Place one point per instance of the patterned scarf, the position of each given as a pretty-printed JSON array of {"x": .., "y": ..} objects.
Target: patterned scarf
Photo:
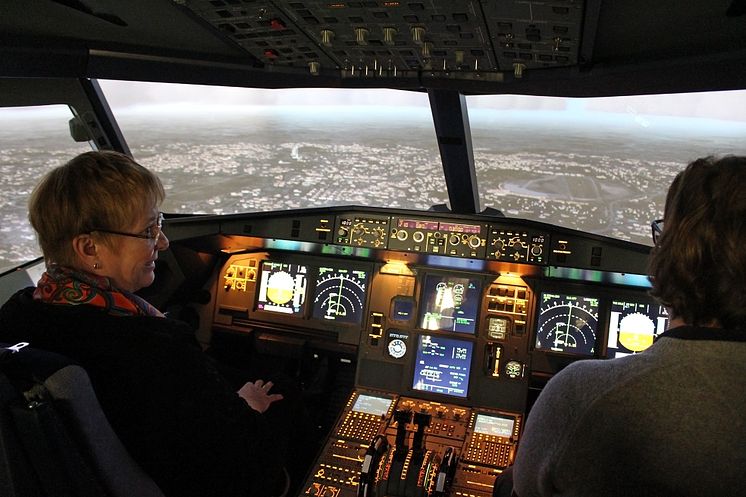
[{"x": 62, "y": 285}]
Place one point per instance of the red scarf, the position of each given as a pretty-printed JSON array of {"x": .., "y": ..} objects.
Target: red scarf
[{"x": 61, "y": 285}]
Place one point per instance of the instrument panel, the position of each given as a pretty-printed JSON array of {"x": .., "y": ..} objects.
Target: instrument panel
[
  {"x": 383, "y": 440},
  {"x": 452, "y": 319}
]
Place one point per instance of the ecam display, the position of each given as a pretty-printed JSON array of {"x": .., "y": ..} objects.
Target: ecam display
[
  {"x": 442, "y": 365},
  {"x": 450, "y": 303}
]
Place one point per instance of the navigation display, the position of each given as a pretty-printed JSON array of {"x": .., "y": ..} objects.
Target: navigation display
[
  {"x": 567, "y": 323},
  {"x": 282, "y": 288},
  {"x": 370, "y": 404},
  {"x": 633, "y": 325},
  {"x": 340, "y": 295},
  {"x": 450, "y": 303},
  {"x": 496, "y": 426},
  {"x": 442, "y": 365}
]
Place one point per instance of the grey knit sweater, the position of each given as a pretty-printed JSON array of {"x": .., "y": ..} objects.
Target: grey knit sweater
[{"x": 669, "y": 421}]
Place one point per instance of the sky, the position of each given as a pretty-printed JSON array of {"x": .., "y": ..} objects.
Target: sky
[{"x": 725, "y": 105}]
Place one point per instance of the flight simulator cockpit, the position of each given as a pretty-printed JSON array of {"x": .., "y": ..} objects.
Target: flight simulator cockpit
[
  {"x": 424, "y": 336},
  {"x": 453, "y": 322}
]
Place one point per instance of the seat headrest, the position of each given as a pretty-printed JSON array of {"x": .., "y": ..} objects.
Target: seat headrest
[{"x": 30, "y": 364}]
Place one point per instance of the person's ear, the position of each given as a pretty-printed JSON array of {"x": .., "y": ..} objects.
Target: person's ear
[{"x": 86, "y": 251}]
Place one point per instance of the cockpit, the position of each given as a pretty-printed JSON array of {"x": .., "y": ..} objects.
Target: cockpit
[{"x": 447, "y": 206}]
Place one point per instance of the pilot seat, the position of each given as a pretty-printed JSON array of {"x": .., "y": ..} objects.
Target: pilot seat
[{"x": 54, "y": 438}]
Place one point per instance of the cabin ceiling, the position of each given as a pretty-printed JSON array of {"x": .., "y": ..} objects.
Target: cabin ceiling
[{"x": 552, "y": 47}]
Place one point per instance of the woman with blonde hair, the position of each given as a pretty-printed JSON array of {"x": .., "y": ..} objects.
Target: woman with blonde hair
[{"x": 99, "y": 225}]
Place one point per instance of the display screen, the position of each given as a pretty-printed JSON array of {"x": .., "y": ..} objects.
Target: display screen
[
  {"x": 442, "y": 365},
  {"x": 340, "y": 295},
  {"x": 567, "y": 323},
  {"x": 282, "y": 288},
  {"x": 369, "y": 404},
  {"x": 496, "y": 426},
  {"x": 402, "y": 308},
  {"x": 450, "y": 303},
  {"x": 633, "y": 325}
]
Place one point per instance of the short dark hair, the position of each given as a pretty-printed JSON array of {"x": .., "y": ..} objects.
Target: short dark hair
[
  {"x": 698, "y": 267},
  {"x": 100, "y": 189}
]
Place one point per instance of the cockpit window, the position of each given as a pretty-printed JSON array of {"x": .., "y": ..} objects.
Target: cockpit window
[
  {"x": 33, "y": 140},
  {"x": 600, "y": 165},
  {"x": 230, "y": 150}
]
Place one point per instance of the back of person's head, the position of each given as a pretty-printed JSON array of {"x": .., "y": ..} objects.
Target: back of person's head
[
  {"x": 698, "y": 267},
  {"x": 95, "y": 190}
]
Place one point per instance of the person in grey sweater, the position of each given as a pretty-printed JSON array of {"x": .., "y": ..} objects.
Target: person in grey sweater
[{"x": 670, "y": 421}]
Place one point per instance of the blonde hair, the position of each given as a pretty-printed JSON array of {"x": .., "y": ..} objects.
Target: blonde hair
[{"x": 95, "y": 190}]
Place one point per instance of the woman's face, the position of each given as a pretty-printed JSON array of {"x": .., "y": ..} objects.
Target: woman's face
[{"x": 130, "y": 262}]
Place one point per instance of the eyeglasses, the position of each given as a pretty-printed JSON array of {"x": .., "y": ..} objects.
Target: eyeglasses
[
  {"x": 657, "y": 227},
  {"x": 153, "y": 232}
]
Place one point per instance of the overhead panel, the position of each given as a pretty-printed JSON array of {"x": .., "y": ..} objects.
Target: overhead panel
[
  {"x": 529, "y": 34},
  {"x": 402, "y": 39},
  {"x": 269, "y": 33}
]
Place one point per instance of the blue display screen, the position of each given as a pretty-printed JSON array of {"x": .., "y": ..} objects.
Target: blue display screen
[
  {"x": 442, "y": 365},
  {"x": 402, "y": 309},
  {"x": 450, "y": 303},
  {"x": 340, "y": 294},
  {"x": 567, "y": 324}
]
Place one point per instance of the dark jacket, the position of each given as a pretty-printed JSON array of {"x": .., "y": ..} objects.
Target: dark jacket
[{"x": 175, "y": 414}]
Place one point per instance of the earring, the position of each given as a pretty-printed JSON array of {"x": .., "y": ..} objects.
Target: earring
[{"x": 95, "y": 265}]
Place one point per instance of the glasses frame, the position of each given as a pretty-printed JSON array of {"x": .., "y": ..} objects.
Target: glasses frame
[
  {"x": 657, "y": 228},
  {"x": 152, "y": 233}
]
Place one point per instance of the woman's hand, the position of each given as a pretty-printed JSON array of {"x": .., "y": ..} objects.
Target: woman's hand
[{"x": 257, "y": 395}]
